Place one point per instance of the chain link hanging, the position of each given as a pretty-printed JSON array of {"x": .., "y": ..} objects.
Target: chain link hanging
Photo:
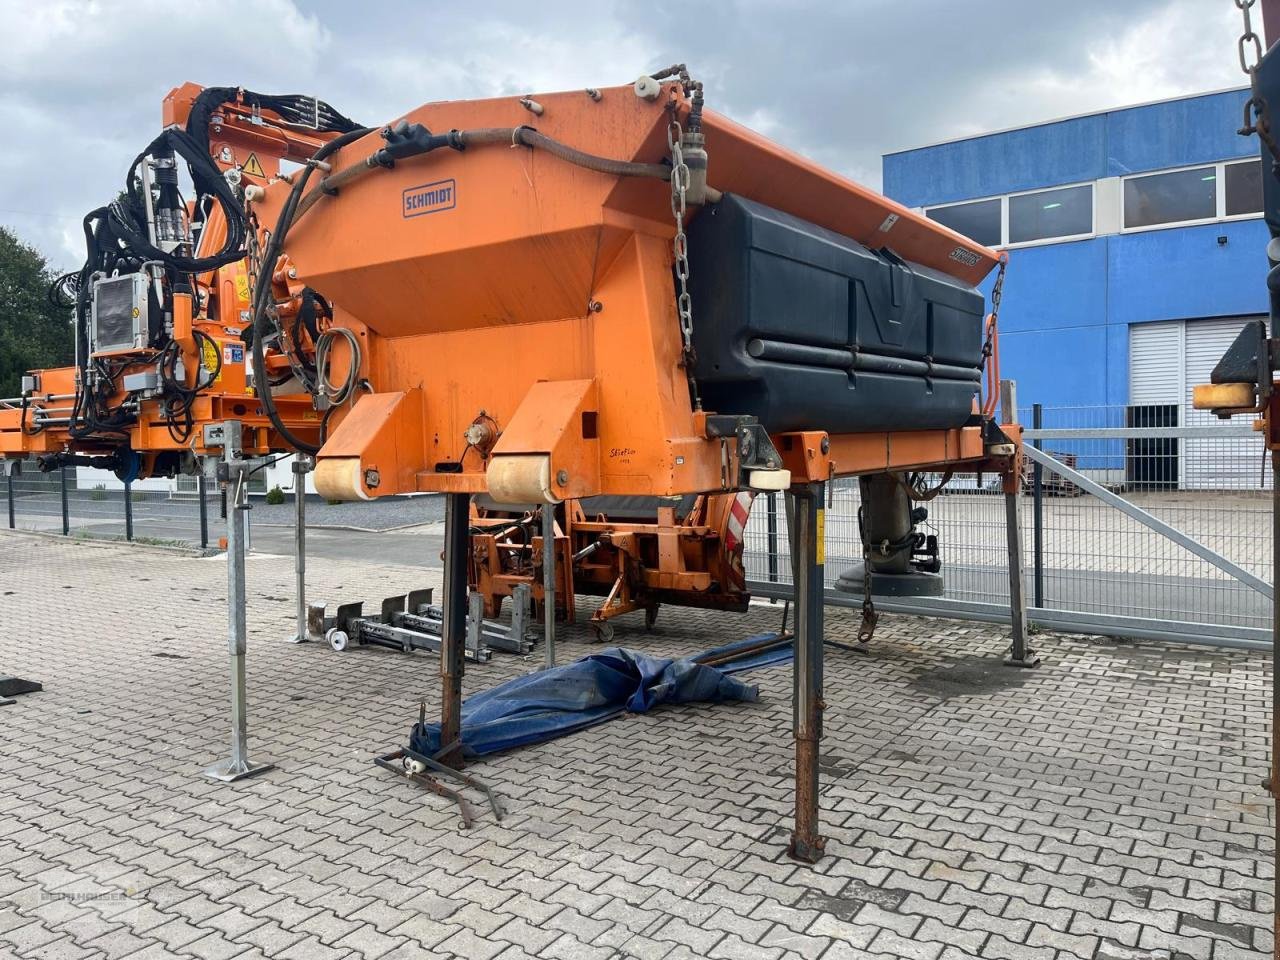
[
  {"x": 1257, "y": 115},
  {"x": 997, "y": 293},
  {"x": 680, "y": 247}
]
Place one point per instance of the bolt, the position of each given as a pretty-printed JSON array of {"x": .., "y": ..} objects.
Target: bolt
[
  {"x": 562, "y": 477},
  {"x": 594, "y": 306},
  {"x": 826, "y": 445},
  {"x": 372, "y": 479},
  {"x": 293, "y": 273},
  {"x": 594, "y": 94}
]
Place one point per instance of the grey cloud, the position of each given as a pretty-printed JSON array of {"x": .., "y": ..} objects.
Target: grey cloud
[{"x": 842, "y": 82}]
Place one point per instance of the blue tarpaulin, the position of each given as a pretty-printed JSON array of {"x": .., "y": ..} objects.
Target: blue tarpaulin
[{"x": 552, "y": 703}]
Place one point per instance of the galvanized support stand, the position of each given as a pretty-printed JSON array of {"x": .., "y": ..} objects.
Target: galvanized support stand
[
  {"x": 235, "y": 478},
  {"x": 128, "y": 511},
  {"x": 11, "y": 467},
  {"x": 302, "y": 465},
  {"x": 549, "y": 584},
  {"x": 453, "y": 637},
  {"x": 66, "y": 510},
  {"x": 203, "y": 492},
  {"x": 808, "y": 554}
]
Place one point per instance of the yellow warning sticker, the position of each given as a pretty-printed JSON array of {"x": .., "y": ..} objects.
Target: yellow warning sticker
[
  {"x": 820, "y": 533},
  {"x": 253, "y": 166},
  {"x": 209, "y": 357},
  {"x": 242, "y": 287}
]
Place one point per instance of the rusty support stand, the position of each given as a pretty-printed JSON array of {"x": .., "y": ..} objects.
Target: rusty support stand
[
  {"x": 453, "y": 635},
  {"x": 1020, "y": 655},
  {"x": 807, "y": 558}
]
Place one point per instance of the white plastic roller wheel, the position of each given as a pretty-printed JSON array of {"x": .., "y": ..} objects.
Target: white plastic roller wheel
[{"x": 337, "y": 639}]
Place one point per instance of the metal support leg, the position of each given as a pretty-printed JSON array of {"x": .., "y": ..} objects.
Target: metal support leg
[
  {"x": 237, "y": 766},
  {"x": 10, "y": 470},
  {"x": 807, "y": 559},
  {"x": 453, "y": 638},
  {"x": 1020, "y": 655},
  {"x": 302, "y": 465},
  {"x": 549, "y": 584},
  {"x": 128, "y": 511},
  {"x": 202, "y": 491},
  {"x": 66, "y": 511}
]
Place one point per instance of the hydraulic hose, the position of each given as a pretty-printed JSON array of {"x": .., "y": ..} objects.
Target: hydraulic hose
[
  {"x": 298, "y": 204},
  {"x": 263, "y": 292},
  {"x": 487, "y": 136}
]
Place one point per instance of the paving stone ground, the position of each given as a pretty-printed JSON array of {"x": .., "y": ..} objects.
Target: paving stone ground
[{"x": 1108, "y": 804}]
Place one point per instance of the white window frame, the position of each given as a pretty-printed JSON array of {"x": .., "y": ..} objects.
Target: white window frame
[
  {"x": 1222, "y": 190},
  {"x": 1220, "y": 196},
  {"x": 1004, "y": 198},
  {"x": 1067, "y": 238},
  {"x": 1004, "y": 217}
]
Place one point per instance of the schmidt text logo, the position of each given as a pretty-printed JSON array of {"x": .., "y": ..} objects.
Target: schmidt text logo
[{"x": 430, "y": 198}]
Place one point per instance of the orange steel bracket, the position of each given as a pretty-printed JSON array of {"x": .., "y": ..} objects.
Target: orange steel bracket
[
  {"x": 377, "y": 447},
  {"x": 814, "y": 456},
  {"x": 558, "y": 418}
]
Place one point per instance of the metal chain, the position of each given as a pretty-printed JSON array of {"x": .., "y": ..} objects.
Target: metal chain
[
  {"x": 997, "y": 294},
  {"x": 1248, "y": 37},
  {"x": 1257, "y": 116},
  {"x": 680, "y": 247}
]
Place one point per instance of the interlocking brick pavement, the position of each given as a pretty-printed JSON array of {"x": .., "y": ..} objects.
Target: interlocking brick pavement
[{"x": 1107, "y": 805}]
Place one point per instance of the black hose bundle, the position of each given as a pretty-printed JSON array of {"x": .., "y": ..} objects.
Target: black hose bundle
[
  {"x": 293, "y": 108},
  {"x": 261, "y": 326}
]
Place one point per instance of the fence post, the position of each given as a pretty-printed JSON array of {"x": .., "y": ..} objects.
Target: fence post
[
  {"x": 66, "y": 514},
  {"x": 1037, "y": 530},
  {"x": 771, "y": 514},
  {"x": 13, "y": 468},
  {"x": 202, "y": 490},
  {"x": 128, "y": 510}
]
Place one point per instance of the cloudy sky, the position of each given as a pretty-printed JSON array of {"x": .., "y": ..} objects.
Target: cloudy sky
[{"x": 843, "y": 81}]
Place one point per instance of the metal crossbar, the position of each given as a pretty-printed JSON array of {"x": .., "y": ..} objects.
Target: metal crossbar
[{"x": 1147, "y": 520}]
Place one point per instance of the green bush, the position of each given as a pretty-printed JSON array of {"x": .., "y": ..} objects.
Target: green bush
[{"x": 275, "y": 495}]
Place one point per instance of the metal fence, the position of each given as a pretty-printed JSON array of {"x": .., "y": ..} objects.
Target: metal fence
[
  {"x": 80, "y": 502},
  {"x": 1190, "y": 560}
]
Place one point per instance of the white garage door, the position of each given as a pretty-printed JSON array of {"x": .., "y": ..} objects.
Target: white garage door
[
  {"x": 1155, "y": 351},
  {"x": 1166, "y": 360},
  {"x": 1214, "y": 464}
]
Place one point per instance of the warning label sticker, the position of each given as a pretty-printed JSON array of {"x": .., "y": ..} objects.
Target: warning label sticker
[
  {"x": 209, "y": 358},
  {"x": 253, "y": 166}
]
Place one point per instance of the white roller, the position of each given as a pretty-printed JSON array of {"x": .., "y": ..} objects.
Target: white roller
[
  {"x": 772, "y": 480},
  {"x": 521, "y": 478},
  {"x": 339, "y": 478}
]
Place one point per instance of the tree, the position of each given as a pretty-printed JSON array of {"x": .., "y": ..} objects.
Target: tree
[{"x": 34, "y": 333}]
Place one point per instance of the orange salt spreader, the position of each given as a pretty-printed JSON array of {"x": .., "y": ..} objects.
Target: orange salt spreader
[{"x": 596, "y": 293}]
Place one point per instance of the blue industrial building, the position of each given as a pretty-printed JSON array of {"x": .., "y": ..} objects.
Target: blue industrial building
[{"x": 1135, "y": 241}]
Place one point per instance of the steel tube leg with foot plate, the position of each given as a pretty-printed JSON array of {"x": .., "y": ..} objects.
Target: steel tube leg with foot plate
[
  {"x": 453, "y": 637},
  {"x": 807, "y": 559},
  {"x": 1020, "y": 655},
  {"x": 236, "y": 478},
  {"x": 301, "y": 467},
  {"x": 549, "y": 584}
]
